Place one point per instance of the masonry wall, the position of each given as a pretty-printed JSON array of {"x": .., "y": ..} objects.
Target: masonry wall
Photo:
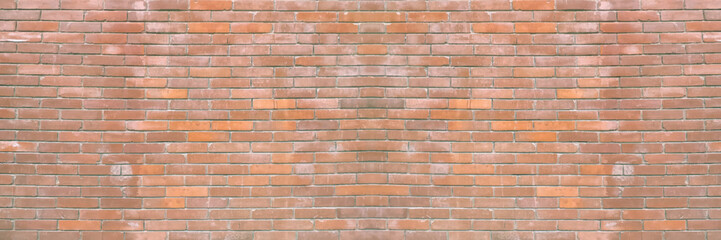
[{"x": 530, "y": 119}]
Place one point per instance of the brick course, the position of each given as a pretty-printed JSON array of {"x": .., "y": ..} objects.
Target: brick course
[{"x": 492, "y": 119}]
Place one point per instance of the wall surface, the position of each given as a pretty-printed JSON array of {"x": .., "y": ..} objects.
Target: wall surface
[{"x": 493, "y": 119}]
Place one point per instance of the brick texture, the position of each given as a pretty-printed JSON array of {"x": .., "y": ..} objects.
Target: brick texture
[{"x": 492, "y": 119}]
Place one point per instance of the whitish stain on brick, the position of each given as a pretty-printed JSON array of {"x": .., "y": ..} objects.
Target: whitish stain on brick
[
  {"x": 628, "y": 170},
  {"x": 13, "y": 40},
  {"x": 116, "y": 170},
  {"x": 304, "y": 169},
  {"x": 139, "y": 5},
  {"x": 127, "y": 170}
]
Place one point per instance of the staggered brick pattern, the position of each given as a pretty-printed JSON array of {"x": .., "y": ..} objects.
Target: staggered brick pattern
[{"x": 492, "y": 119}]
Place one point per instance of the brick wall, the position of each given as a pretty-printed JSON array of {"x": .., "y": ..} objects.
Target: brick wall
[{"x": 197, "y": 119}]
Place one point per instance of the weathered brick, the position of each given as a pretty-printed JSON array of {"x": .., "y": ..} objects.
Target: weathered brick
[{"x": 493, "y": 119}]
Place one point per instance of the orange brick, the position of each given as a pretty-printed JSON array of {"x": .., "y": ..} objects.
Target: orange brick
[
  {"x": 664, "y": 225},
  {"x": 221, "y": 119},
  {"x": 186, "y": 192},
  {"x": 164, "y": 203},
  {"x": 493, "y": 27},
  {"x": 232, "y": 125},
  {"x": 38, "y": 26},
  {"x": 576, "y": 93},
  {"x": 534, "y": 5},
  {"x": 316, "y": 16},
  {"x": 211, "y": 5},
  {"x": 166, "y": 93},
  {"x": 208, "y": 27},
  {"x": 78, "y": 225},
  {"x": 535, "y": 27},
  {"x": 372, "y": 49},
  {"x": 504, "y": 126},
  {"x": 207, "y": 137},
  {"x": 557, "y": 191}
]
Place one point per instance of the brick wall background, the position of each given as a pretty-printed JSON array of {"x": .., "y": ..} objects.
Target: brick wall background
[{"x": 530, "y": 119}]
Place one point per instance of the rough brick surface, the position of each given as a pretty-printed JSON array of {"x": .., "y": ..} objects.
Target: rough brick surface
[{"x": 488, "y": 119}]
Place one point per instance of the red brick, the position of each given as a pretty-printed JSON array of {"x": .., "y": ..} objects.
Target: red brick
[
  {"x": 371, "y": 190},
  {"x": 123, "y": 27},
  {"x": 372, "y": 17},
  {"x": 40, "y": 4},
  {"x": 78, "y": 225},
  {"x": 277, "y": 117},
  {"x": 251, "y": 27},
  {"x": 336, "y": 28}
]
